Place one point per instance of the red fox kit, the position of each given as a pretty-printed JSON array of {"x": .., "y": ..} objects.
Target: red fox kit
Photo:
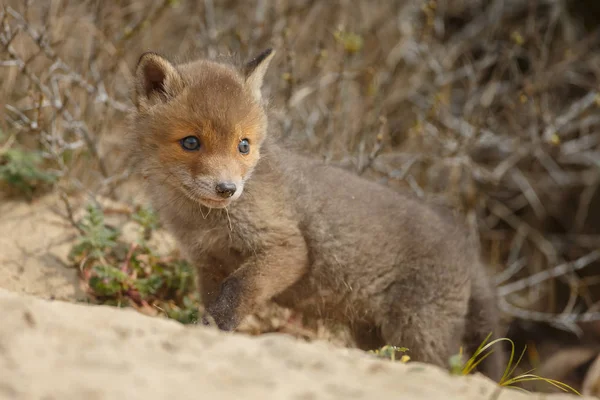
[{"x": 262, "y": 223}]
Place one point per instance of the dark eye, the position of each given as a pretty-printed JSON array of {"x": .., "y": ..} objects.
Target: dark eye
[
  {"x": 244, "y": 146},
  {"x": 190, "y": 143}
]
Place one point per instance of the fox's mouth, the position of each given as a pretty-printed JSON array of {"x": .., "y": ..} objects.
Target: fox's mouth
[
  {"x": 212, "y": 203},
  {"x": 205, "y": 201}
]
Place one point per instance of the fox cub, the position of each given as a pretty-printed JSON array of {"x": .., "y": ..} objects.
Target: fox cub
[{"x": 263, "y": 223}]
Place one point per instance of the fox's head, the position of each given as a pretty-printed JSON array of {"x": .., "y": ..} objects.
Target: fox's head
[{"x": 198, "y": 127}]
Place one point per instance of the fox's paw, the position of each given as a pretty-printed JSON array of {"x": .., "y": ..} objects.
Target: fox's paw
[
  {"x": 222, "y": 316},
  {"x": 225, "y": 310}
]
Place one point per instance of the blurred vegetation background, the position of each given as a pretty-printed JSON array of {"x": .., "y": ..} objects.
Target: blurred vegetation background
[{"x": 492, "y": 105}]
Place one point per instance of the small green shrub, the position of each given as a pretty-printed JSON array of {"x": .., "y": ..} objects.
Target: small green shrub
[
  {"x": 96, "y": 238},
  {"x": 22, "y": 170},
  {"x": 132, "y": 274}
]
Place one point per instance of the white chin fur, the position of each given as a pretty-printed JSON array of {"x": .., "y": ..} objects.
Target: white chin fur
[{"x": 213, "y": 203}]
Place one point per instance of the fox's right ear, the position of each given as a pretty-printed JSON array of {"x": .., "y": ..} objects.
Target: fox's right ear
[
  {"x": 254, "y": 72},
  {"x": 156, "y": 81}
]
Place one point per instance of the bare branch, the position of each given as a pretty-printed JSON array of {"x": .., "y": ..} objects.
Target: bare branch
[{"x": 543, "y": 276}]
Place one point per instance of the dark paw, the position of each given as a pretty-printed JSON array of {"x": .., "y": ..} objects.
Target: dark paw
[
  {"x": 225, "y": 309},
  {"x": 224, "y": 317}
]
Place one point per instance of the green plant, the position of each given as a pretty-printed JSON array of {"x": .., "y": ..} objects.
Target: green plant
[
  {"x": 389, "y": 352},
  {"x": 148, "y": 221},
  {"x": 96, "y": 238},
  {"x": 22, "y": 170},
  {"x": 132, "y": 274},
  {"x": 457, "y": 366}
]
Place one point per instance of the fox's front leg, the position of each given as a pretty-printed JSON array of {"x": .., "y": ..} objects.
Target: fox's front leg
[{"x": 262, "y": 277}]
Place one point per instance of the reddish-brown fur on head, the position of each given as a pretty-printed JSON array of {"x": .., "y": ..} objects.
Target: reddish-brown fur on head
[{"x": 217, "y": 104}]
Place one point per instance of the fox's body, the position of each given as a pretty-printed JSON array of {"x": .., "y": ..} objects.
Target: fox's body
[{"x": 307, "y": 235}]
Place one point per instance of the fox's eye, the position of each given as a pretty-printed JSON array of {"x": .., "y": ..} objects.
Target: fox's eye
[
  {"x": 190, "y": 143},
  {"x": 244, "y": 146}
]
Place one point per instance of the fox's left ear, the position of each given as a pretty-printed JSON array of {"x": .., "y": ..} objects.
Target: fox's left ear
[
  {"x": 156, "y": 80},
  {"x": 254, "y": 72}
]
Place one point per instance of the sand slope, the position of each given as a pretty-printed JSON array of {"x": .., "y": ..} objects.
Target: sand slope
[
  {"x": 59, "y": 350},
  {"x": 34, "y": 243}
]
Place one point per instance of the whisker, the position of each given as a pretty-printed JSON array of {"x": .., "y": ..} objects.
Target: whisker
[{"x": 229, "y": 219}]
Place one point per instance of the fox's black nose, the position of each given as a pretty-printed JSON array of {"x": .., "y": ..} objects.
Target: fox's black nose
[{"x": 225, "y": 189}]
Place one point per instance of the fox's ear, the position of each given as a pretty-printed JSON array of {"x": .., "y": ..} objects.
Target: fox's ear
[
  {"x": 156, "y": 80},
  {"x": 254, "y": 72}
]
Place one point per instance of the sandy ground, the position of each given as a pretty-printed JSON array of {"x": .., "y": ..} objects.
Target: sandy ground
[
  {"x": 54, "y": 349},
  {"x": 34, "y": 243},
  {"x": 57, "y": 350},
  {"x": 35, "y": 239}
]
